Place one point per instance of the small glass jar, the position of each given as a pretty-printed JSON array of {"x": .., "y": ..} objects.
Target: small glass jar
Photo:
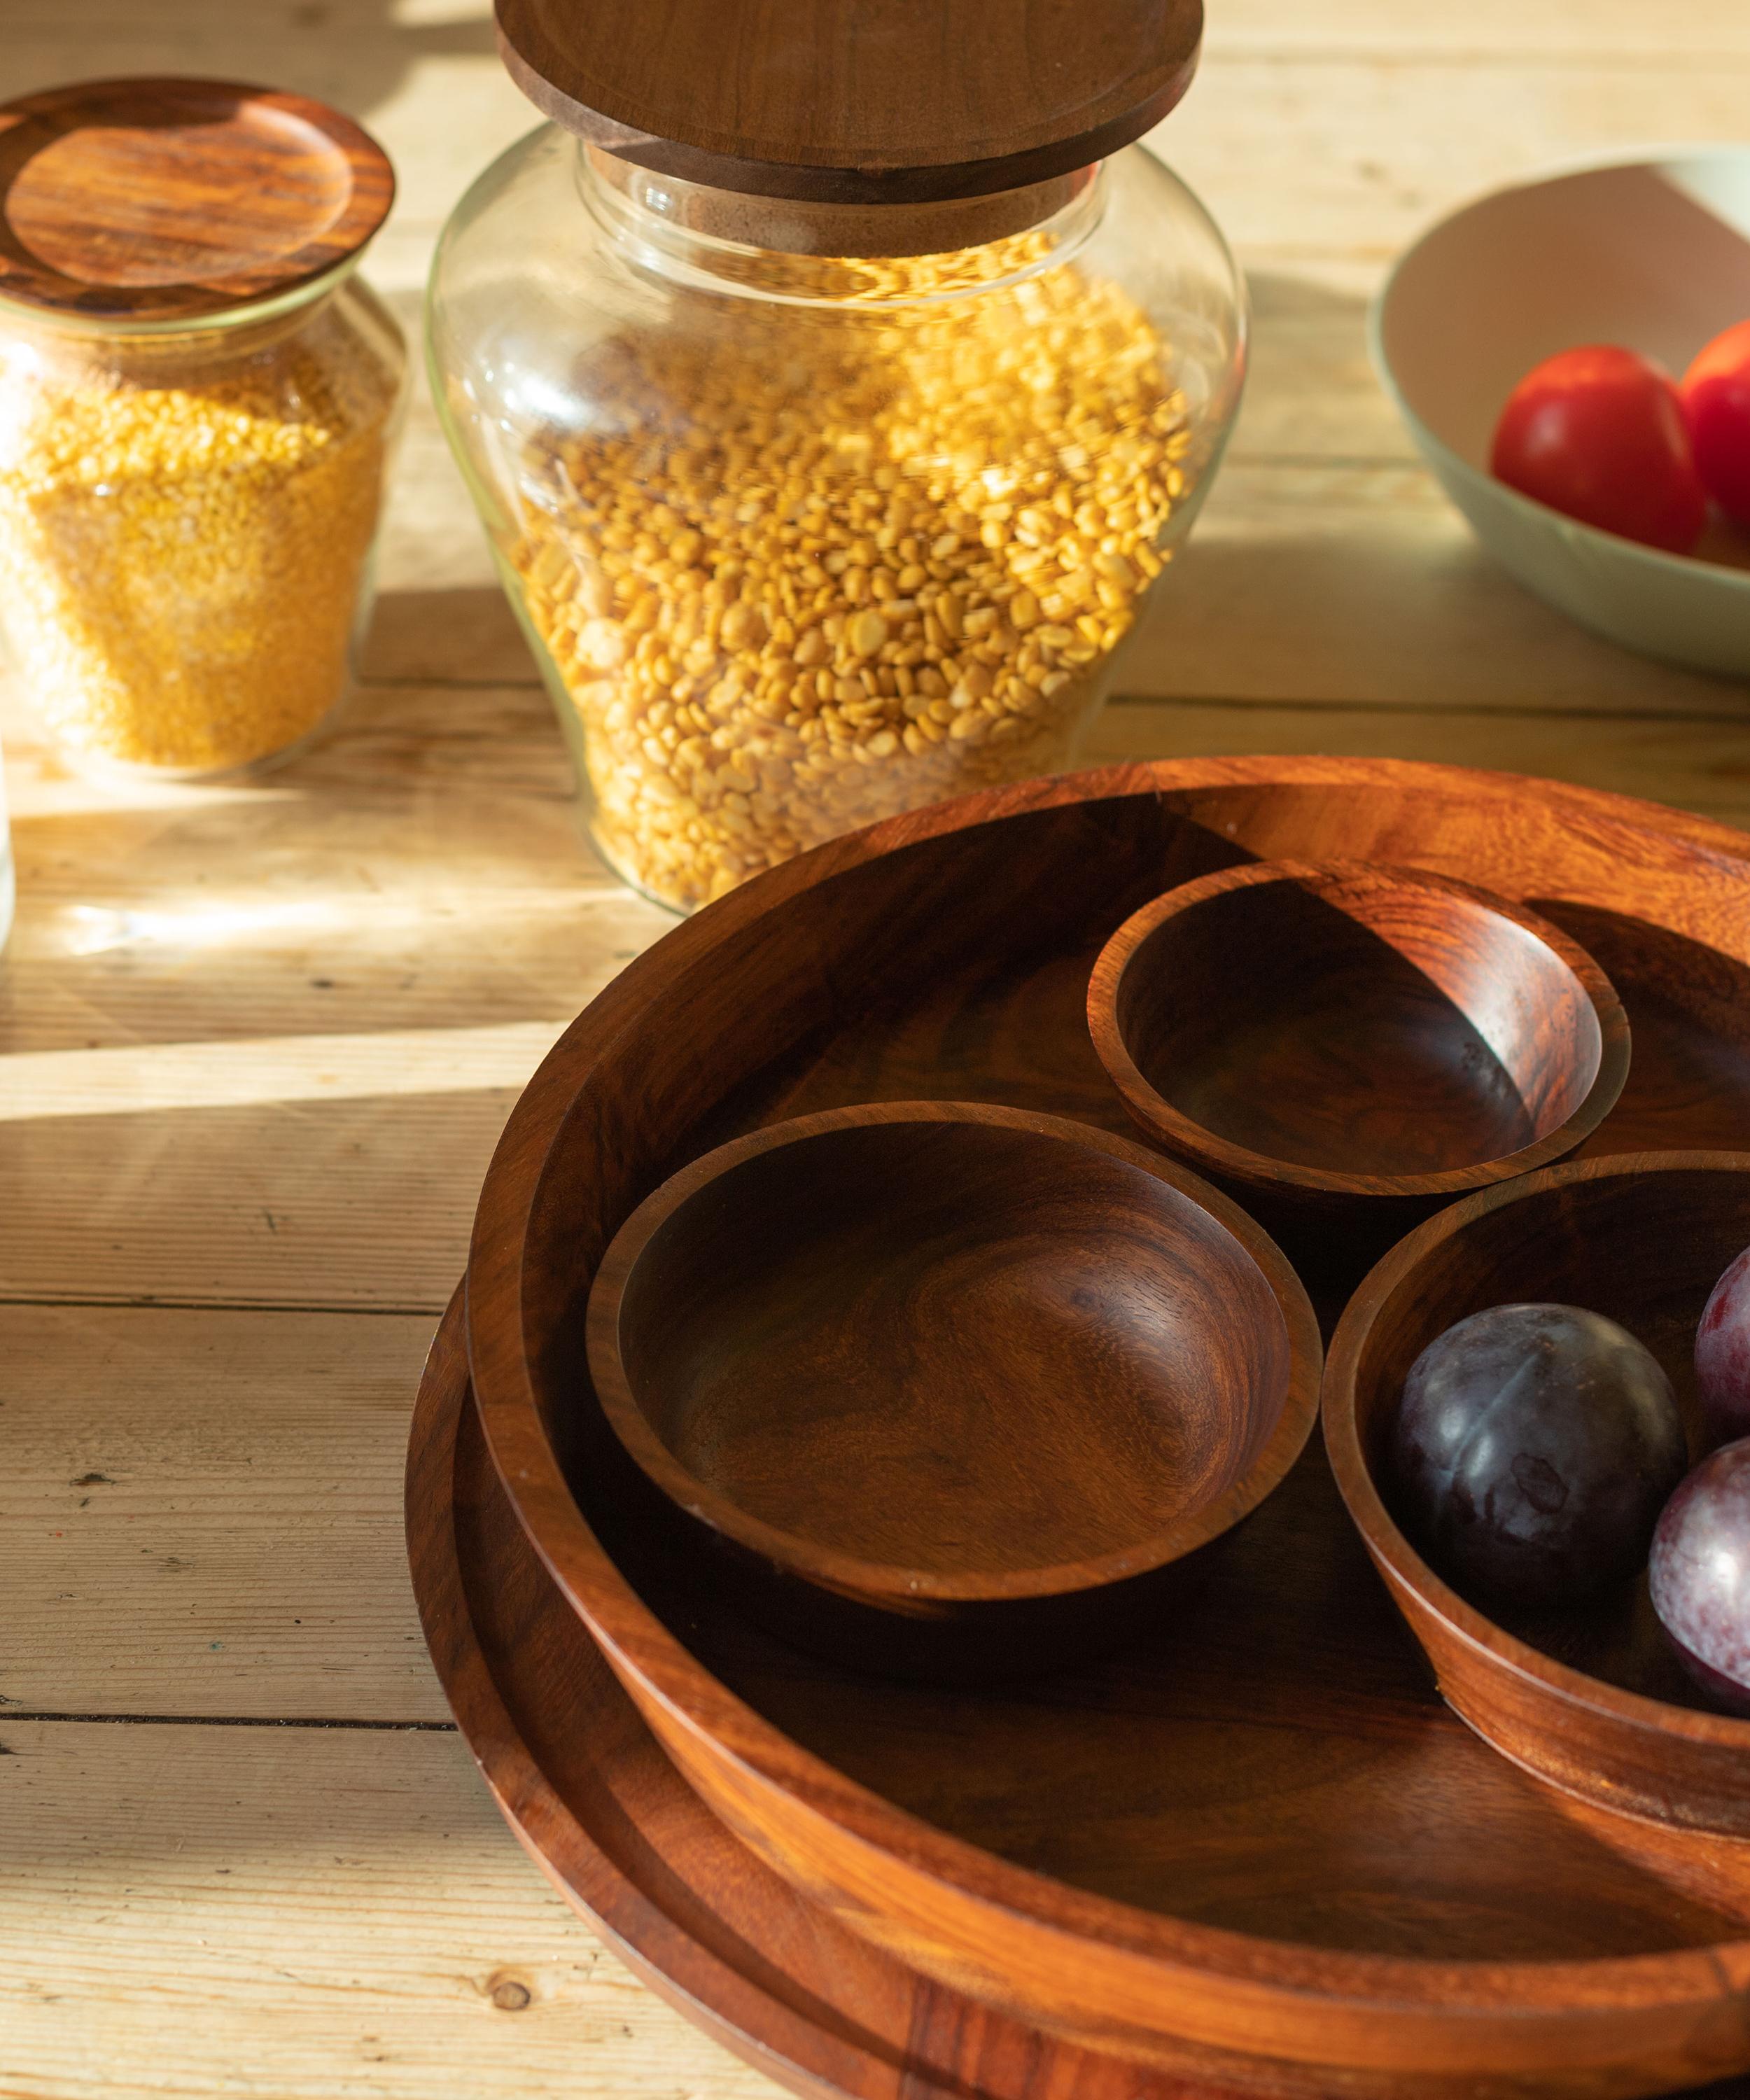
[
  {"x": 187, "y": 517},
  {"x": 198, "y": 400},
  {"x": 803, "y": 537}
]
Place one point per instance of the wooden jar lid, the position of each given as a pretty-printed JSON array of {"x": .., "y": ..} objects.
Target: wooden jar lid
[
  {"x": 855, "y": 101},
  {"x": 159, "y": 199}
]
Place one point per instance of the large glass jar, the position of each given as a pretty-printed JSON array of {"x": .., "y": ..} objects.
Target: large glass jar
[
  {"x": 198, "y": 401},
  {"x": 802, "y": 538}
]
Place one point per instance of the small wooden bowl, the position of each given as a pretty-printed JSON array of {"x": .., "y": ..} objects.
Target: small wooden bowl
[
  {"x": 950, "y": 1389},
  {"x": 1346, "y": 1035},
  {"x": 1590, "y": 1697}
]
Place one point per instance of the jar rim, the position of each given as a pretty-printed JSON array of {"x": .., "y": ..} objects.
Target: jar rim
[
  {"x": 679, "y": 230},
  {"x": 246, "y": 313}
]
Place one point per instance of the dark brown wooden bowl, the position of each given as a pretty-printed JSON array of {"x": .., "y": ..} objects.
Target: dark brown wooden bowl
[
  {"x": 1346, "y": 1035},
  {"x": 1590, "y": 1697},
  {"x": 1255, "y": 1845},
  {"x": 950, "y": 1389}
]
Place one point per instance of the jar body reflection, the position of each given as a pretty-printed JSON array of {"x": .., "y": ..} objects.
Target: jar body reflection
[
  {"x": 187, "y": 519},
  {"x": 802, "y": 538}
]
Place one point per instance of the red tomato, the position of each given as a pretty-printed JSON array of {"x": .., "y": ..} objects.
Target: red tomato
[
  {"x": 1715, "y": 395},
  {"x": 1598, "y": 434}
]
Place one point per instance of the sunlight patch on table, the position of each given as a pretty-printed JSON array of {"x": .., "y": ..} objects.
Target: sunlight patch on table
[{"x": 139, "y": 1079}]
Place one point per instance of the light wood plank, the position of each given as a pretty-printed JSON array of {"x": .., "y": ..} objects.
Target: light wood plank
[
  {"x": 361, "y": 1203},
  {"x": 1362, "y": 583},
  {"x": 203, "y": 1512},
  {"x": 1495, "y": 33},
  {"x": 1356, "y": 158},
  {"x": 301, "y": 1914},
  {"x": 1704, "y": 766},
  {"x": 1498, "y": 31},
  {"x": 426, "y": 871}
]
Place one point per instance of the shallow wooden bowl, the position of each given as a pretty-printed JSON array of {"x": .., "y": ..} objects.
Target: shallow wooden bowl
[
  {"x": 1349, "y": 1036},
  {"x": 1589, "y": 1698},
  {"x": 949, "y": 1387}
]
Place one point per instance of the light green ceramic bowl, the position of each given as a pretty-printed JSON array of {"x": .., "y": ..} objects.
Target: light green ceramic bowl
[{"x": 1652, "y": 253}]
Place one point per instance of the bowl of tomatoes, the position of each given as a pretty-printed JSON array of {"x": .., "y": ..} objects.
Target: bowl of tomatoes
[{"x": 1571, "y": 356}]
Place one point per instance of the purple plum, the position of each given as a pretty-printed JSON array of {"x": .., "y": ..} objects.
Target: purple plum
[
  {"x": 1722, "y": 1355},
  {"x": 1533, "y": 1450},
  {"x": 1700, "y": 1574}
]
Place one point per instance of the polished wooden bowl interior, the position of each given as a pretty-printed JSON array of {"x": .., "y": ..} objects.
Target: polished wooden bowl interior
[
  {"x": 930, "y": 1355},
  {"x": 1590, "y": 1695},
  {"x": 1355, "y": 1030}
]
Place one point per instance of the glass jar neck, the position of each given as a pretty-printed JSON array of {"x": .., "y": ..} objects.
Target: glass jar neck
[
  {"x": 236, "y": 332},
  {"x": 811, "y": 255}
]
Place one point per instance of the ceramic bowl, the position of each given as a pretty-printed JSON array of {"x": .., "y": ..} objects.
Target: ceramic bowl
[
  {"x": 1653, "y": 254},
  {"x": 1590, "y": 1696},
  {"x": 946, "y": 1388}
]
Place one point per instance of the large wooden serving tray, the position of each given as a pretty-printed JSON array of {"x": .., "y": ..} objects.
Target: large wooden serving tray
[{"x": 1255, "y": 1848}]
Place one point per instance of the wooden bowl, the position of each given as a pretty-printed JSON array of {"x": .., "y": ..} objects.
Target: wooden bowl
[
  {"x": 1591, "y": 1697},
  {"x": 949, "y": 1388},
  {"x": 1348, "y": 1036},
  {"x": 1255, "y": 1846}
]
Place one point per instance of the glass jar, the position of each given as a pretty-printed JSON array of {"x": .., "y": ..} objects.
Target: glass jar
[
  {"x": 187, "y": 517},
  {"x": 803, "y": 537},
  {"x": 197, "y": 404}
]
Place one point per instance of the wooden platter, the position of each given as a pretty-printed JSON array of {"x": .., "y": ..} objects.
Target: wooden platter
[
  {"x": 1254, "y": 1847},
  {"x": 586, "y": 1787}
]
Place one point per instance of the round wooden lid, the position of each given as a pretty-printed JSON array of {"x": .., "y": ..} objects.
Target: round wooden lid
[
  {"x": 158, "y": 198},
  {"x": 855, "y": 101}
]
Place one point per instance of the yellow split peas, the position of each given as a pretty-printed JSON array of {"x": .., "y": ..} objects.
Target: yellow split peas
[
  {"x": 182, "y": 547},
  {"x": 810, "y": 565}
]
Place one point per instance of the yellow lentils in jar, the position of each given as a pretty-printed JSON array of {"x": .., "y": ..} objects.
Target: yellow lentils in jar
[
  {"x": 185, "y": 527},
  {"x": 197, "y": 398},
  {"x": 834, "y": 558}
]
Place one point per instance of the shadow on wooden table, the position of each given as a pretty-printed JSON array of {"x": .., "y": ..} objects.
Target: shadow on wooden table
[{"x": 465, "y": 636}]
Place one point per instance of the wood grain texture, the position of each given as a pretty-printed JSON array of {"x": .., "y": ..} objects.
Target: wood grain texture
[
  {"x": 306, "y": 1913},
  {"x": 839, "y": 103},
  {"x": 159, "y": 199},
  {"x": 1352, "y": 1038},
  {"x": 940, "y": 955},
  {"x": 1591, "y": 1697},
  {"x": 1698, "y": 767},
  {"x": 947, "y": 1389},
  {"x": 200, "y": 1512}
]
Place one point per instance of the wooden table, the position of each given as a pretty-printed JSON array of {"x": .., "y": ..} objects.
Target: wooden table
[{"x": 259, "y": 1041}]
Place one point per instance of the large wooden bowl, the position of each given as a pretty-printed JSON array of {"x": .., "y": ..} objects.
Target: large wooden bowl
[
  {"x": 1590, "y": 1697},
  {"x": 1257, "y": 1846},
  {"x": 1346, "y": 1037},
  {"x": 947, "y": 1389}
]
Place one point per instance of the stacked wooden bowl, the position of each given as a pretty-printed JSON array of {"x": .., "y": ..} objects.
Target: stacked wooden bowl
[{"x": 862, "y": 1504}]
